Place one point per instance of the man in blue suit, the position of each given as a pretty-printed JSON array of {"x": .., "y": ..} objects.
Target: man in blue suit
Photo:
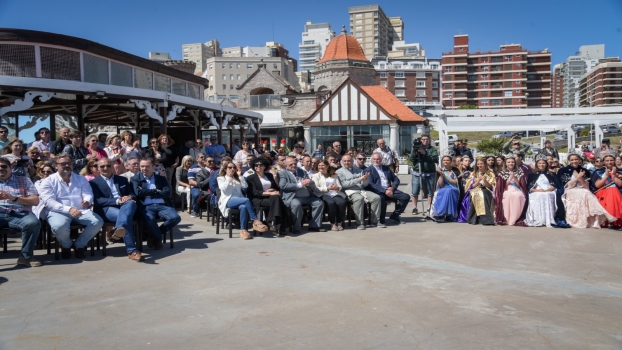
[
  {"x": 384, "y": 183},
  {"x": 115, "y": 202},
  {"x": 154, "y": 193}
]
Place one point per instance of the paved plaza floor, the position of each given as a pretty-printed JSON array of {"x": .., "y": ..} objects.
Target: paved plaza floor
[{"x": 419, "y": 286}]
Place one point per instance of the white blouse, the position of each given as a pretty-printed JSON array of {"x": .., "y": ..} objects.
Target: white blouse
[{"x": 265, "y": 183}]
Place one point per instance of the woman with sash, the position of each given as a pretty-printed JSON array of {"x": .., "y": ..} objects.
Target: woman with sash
[
  {"x": 608, "y": 181},
  {"x": 465, "y": 200},
  {"x": 447, "y": 197},
  {"x": 481, "y": 186},
  {"x": 541, "y": 186},
  {"x": 582, "y": 208},
  {"x": 510, "y": 194}
]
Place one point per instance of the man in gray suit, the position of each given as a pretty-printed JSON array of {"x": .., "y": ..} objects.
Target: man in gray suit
[
  {"x": 353, "y": 183},
  {"x": 297, "y": 191}
]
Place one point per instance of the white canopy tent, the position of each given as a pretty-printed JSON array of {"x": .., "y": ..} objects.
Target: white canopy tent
[{"x": 542, "y": 119}]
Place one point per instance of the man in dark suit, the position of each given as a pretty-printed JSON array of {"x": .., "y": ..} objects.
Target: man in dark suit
[
  {"x": 384, "y": 183},
  {"x": 154, "y": 193},
  {"x": 114, "y": 201}
]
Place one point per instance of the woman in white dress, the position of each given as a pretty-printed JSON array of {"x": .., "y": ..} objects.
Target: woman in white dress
[
  {"x": 245, "y": 151},
  {"x": 542, "y": 201}
]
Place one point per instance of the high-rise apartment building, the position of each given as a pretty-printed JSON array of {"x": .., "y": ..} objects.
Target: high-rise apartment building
[
  {"x": 575, "y": 66},
  {"x": 601, "y": 86},
  {"x": 200, "y": 52},
  {"x": 314, "y": 40},
  {"x": 512, "y": 77},
  {"x": 557, "y": 87},
  {"x": 374, "y": 30}
]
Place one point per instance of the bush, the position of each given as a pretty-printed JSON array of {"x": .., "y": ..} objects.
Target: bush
[
  {"x": 584, "y": 132},
  {"x": 494, "y": 146}
]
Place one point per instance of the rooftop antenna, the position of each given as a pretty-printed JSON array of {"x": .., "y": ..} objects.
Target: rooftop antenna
[{"x": 343, "y": 29}]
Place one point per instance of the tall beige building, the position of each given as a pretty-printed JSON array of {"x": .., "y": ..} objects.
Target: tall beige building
[
  {"x": 374, "y": 30},
  {"x": 200, "y": 52}
]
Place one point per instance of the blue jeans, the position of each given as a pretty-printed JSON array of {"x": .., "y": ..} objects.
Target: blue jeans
[
  {"x": 60, "y": 222},
  {"x": 150, "y": 214},
  {"x": 30, "y": 226},
  {"x": 246, "y": 209},
  {"x": 123, "y": 216},
  {"x": 195, "y": 192}
]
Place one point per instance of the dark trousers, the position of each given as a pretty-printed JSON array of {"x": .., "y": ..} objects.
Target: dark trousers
[
  {"x": 402, "y": 201},
  {"x": 150, "y": 214},
  {"x": 336, "y": 208}
]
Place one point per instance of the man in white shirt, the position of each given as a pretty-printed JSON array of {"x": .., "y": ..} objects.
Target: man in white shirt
[
  {"x": 44, "y": 144},
  {"x": 389, "y": 157},
  {"x": 69, "y": 197},
  {"x": 131, "y": 165},
  {"x": 305, "y": 165}
]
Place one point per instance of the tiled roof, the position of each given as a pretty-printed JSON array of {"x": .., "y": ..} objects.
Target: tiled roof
[
  {"x": 343, "y": 47},
  {"x": 391, "y": 104}
]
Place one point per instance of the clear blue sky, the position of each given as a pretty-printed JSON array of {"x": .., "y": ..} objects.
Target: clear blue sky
[{"x": 140, "y": 26}]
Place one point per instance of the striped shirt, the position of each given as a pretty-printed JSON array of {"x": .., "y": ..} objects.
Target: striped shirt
[{"x": 16, "y": 186}]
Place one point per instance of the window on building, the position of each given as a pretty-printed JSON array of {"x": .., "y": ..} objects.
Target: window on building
[
  {"x": 375, "y": 13},
  {"x": 382, "y": 66},
  {"x": 421, "y": 93},
  {"x": 231, "y": 65},
  {"x": 231, "y": 86},
  {"x": 358, "y": 15},
  {"x": 517, "y": 73},
  {"x": 375, "y": 26},
  {"x": 224, "y": 77},
  {"x": 517, "y": 56},
  {"x": 399, "y": 83},
  {"x": 383, "y": 74},
  {"x": 484, "y": 102},
  {"x": 224, "y": 86},
  {"x": 211, "y": 77},
  {"x": 211, "y": 66},
  {"x": 435, "y": 85},
  {"x": 211, "y": 98},
  {"x": 224, "y": 65},
  {"x": 399, "y": 74},
  {"x": 517, "y": 65},
  {"x": 531, "y": 77},
  {"x": 508, "y": 93},
  {"x": 448, "y": 94},
  {"x": 518, "y": 82},
  {"x": 249, "y": 66},
  {"x": 238, "y": 66},
  {"x": 248, "y": 76},
  {"x": 375, "y": 32},
  {"x": 359, "y": 33},
  {"x": 484, "y": 85},
  {"x": 231, "y": 77},
  {"x": 518, "y": 91},
  {"x": 383, "y": 83},
  {"x": 434, "y": 93},
  {"x": 359, "y": 21},
  {"x": 447, "y": 69},
  {"x": 507, "y": 58},
  {"x": 421, "y": 84},
  {"x": 211, "y": 87},
  {"x": 400, "y": 93},
  {"x": 484, "y": 76},
  {"x": 239, "y": 77},
  {"x": 517, "y": 100}
]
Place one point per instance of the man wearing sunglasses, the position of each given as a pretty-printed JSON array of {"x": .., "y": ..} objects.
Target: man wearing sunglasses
[
  {"x": 17, "y": 195},
  {"x": 44, "y": 144},
  {"x": 198, "y": 178},
  {"x": 360, "y": 161},
  {"x": 4, "y": 136},
  {"x": 154, "y": 193},
  {"x": 114, "y": 201},
  {"x": 68, "y": 196}
]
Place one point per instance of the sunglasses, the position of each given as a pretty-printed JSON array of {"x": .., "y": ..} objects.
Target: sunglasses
[
  {"x": 47, "y": 172},
  {"x": 360, "y": 158},
  {"x": 4, "y": 166},
  {"x": 259, "y": 165},
  {"x": 105, "y": 166}
]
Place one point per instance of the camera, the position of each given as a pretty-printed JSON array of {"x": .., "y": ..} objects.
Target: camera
[{"x": 417, "y": 142}]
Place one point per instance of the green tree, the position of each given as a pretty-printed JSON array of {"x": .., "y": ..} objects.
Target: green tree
[
  {"x": 468, "y": 107},
  {"x": 493, "y": 146}
]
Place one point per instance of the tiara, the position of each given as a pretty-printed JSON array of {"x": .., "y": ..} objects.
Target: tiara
[
  {"x": 510, "y": 155},
  {"x": 448, "y": 152},
  {"x": 606, "y": 154},
  {"x": 541, "y": 156}
]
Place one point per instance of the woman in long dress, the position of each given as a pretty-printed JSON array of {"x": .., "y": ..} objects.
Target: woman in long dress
[
  {"x": 542, "y": 200},
  {"x": 465, "y": 200},
  {"x": 582, "y": 208},
  {"x": 447, "y": 197},
  {"x": 481, "y": 185},
  {"x": 510, "y": 194},
  {"x": 608, "y": 181}
]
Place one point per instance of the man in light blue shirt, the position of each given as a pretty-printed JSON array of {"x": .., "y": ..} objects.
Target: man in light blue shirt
[{"x": 215, "y": 150}]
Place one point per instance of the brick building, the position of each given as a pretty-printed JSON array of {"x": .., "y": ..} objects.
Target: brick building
[
  {"x": 601, "y": 86},
  {"x": 509, "y": 78},
  {"x": 416, "y": 82},
  {"x": 557, "y": 87}
]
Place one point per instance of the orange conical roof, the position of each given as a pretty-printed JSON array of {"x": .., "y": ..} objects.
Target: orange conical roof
[{"x": 343, "y": 47}]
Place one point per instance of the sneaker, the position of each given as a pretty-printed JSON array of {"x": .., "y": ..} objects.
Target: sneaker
[
  {"x": 29, "y": 262},
  {"x": 245, "y": 235},
  {"x": 339, "y": 227},
  {"x": 396, "y": 219},
  {"x": 381, "y": 225},
  {"x": 361, "y": 227},
  {"x": 136, "y": 256},
  {"x": 415, "y": 211},
  {"x": 334, "y": 228},
  {"x": 193, "y": 214}
]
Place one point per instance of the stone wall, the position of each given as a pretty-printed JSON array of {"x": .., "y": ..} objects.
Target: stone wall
[
  {"x": 301, "y": 108},
  {"x": 331, "y": 79},
  {"x": 262, "y": 79},
  {"x": 184, "y": 66}
]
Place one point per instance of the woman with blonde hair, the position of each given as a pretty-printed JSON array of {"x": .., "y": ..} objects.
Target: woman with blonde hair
[
  {"x": 181, "y": 177},
  {"x": 328, "y": 188},
  {"x": 91, "y": 143},
  {"x": 131, "y": 145},
  {"x": 481, "y": 186},
  {"x": 15, "y": 153},
  {"x": 115, "y": 153}
]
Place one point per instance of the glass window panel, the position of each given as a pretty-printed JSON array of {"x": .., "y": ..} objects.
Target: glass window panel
[
  {"x": 143, "y": 79},
  {"x": 179, "y": 87},
  {"x": 120, "y": 74},
  {"x": 162, "y": 83},
  {"x": 95, "y": 69}
]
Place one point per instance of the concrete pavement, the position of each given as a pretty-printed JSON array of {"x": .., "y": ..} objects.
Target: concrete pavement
[{"x": 420, "y": 285}]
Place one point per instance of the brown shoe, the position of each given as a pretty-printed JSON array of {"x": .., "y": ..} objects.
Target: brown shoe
[
  {"x": 136, "y": 256},
  {"x": 245, "y": 235},
  {"x": 259, "y": 226},
  {"x": 79, "y": 252},
  {"x": 118, "y": 233}
]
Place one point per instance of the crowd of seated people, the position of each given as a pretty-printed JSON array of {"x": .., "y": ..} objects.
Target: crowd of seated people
[{"x": 67, "y": 182}]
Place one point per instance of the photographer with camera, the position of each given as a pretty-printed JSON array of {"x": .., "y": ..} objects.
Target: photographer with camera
[{"x": 424, "y": 158}]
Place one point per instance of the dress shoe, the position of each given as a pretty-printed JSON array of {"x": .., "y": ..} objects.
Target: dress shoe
[
  {"x": 65, "y": 253},
  {"x": 31, "y": 262},
  {"x": 316, "y": 229},
  {"x": 117, "y": 234},
  {"x": 296, "y": 232},
  {"x": 79, "y": 252},
  {"x": 136, "y": 256}
]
